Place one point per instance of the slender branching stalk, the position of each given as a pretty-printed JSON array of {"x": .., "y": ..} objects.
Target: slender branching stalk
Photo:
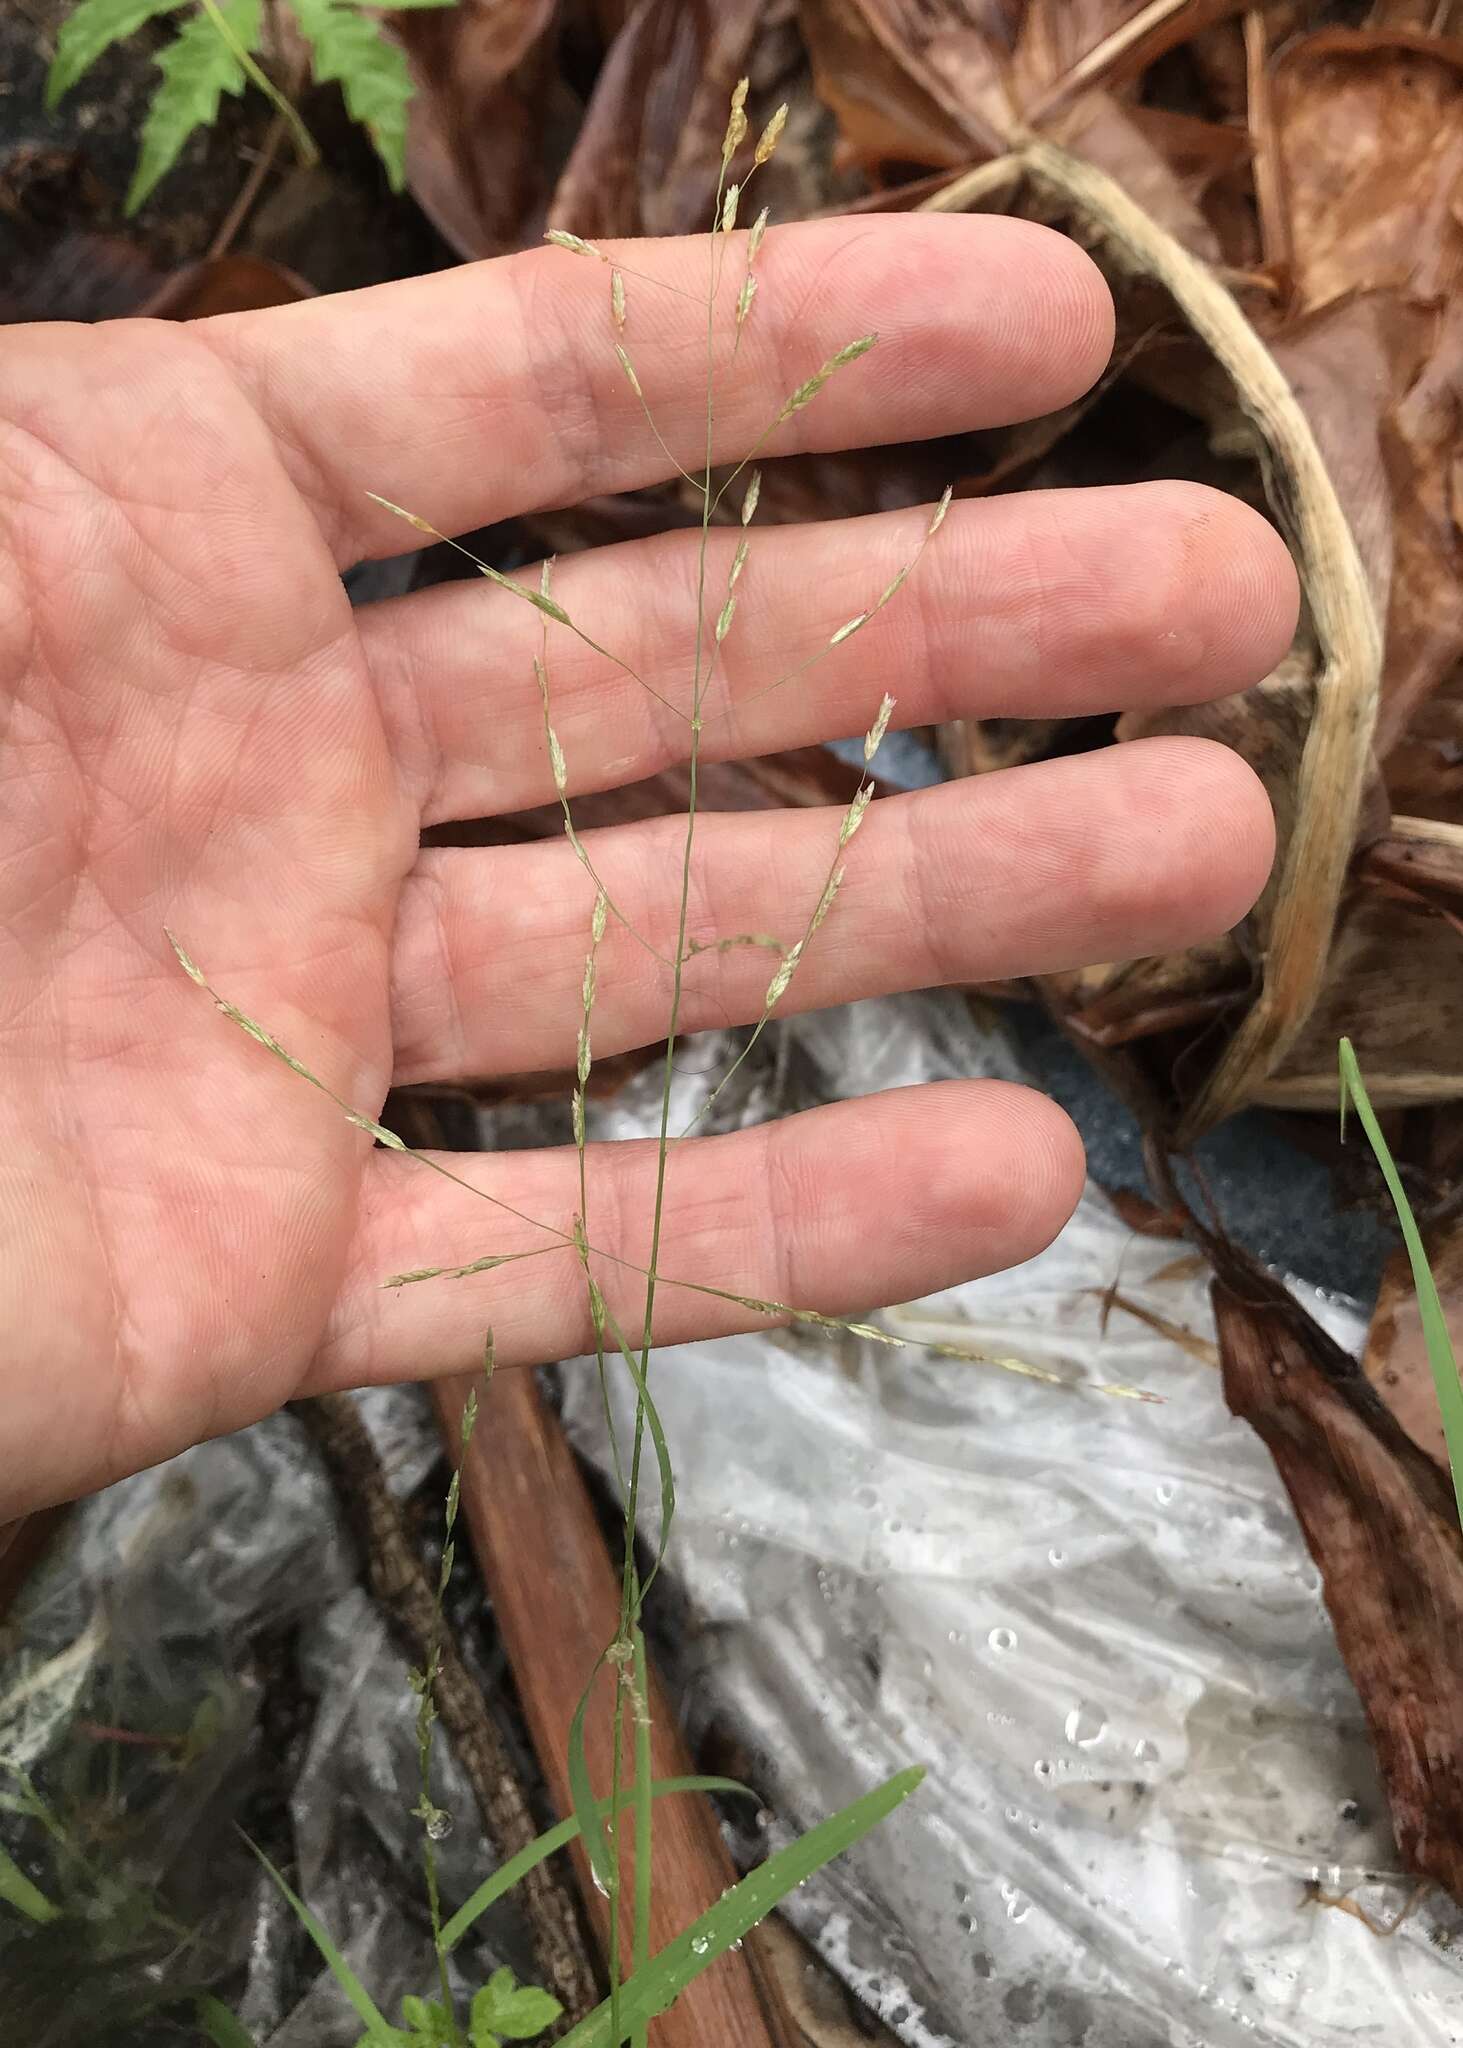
[{"x": 638, "y": 1993}]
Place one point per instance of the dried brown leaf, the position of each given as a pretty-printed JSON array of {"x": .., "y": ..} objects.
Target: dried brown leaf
[
  {"x": 488, "y": 104},
  {"x": 1370, "y": 133},
  {"x": 646, "y": 159}
]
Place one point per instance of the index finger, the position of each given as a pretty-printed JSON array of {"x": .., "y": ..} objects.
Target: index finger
[{"x": 478, "y": 393}]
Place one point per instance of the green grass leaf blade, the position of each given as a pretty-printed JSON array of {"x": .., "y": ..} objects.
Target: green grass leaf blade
[
  {"x": 218, "y": 2024},
  {"x": 91, "y": 28},
  {"x": 17, "y": 1890},
  {"x": 198, "y": 68},
  {"x": 350, "y": 50},
  {"x": 587, "y": 1814},
  {"x": 375, "y": 2022},
  {"x": 549, "y": 1843},
  {"x": 655, "y": 1989},
  {"x": 1434, "y": 1323}
]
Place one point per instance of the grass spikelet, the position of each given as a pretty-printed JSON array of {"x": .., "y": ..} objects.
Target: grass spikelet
[
  {"x": 808, "y": 390},
  {"x": 629, "y": 369},
  {"x": 874, "y": 737},
  {"x": 768, "y": 140},
  {"x": 575, "y": 244},
  {"x": 736, "y": 126},
  {"x": 729, "y": 208},
  {"x": 749, "y": 502},
  {"x": 754, "y": 238},
  {"x": 617, "y": 300}
]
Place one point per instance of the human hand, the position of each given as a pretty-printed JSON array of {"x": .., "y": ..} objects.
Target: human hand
[{"x": 201, "y": 735}]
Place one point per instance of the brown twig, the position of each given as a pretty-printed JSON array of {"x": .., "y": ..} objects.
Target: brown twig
[
  {"x": 400, "y": 1586},
  {"x": 249, "y": 191},
  {"x": 1269, "y": 171}
]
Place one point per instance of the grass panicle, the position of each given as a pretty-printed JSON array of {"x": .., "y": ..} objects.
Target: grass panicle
[{"x": 641, "y": 1985}]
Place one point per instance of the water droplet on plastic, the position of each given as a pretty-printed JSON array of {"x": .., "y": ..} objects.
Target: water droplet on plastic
[
  {"x": 1057, "y": 1558},
  {"x": 962, "y": 1895},
  {"x": 700, "y": 1944},
  {"x": 1164, "y": 1492},
  {"x": 1145, "y": 1752},
  {"x": 1002, "y": 1638},
  {"x": 968, "y": 1923},
  {"x": 1016, "y": 1901},
  {"x": 1013, "y": 1813},
  {"x": 1045, "y": 1769},
  {"x": 1086, "y": 1725},
  {"x": 439, "y": 1826}
]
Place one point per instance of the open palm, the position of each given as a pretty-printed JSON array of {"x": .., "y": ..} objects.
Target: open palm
[{"x": 200, "y": 735}]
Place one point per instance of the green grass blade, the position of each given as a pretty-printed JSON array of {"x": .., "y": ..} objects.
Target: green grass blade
[
  {"x": 17, "y": 1890},
  {"x": 549, "y": 1843},
  {"x": 218, "y": 2024},
  {"x": 373, "y": 2020},
  {"x": 655, "y": 1989},
  {"x": 1434, "y": 1324},
  {"x": 587, "y": 1815}
]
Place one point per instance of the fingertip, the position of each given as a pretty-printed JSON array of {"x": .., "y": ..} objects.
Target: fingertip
[
  {"x": 1016, "y": 1170},
  {"x": 1235, "y": 594},
  {"x": 1059, "y": 316},
  {"x": 1221, "y": 831}
]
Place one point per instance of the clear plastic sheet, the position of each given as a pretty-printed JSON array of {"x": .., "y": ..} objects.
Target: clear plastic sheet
[
  {"x": 145, "y": 1608},
  {"x": 1093, "y": 1619}
]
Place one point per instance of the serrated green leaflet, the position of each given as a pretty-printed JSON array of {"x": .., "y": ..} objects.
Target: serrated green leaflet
[
  {"x": 655, "y": 1989},
  {"x": 350, "y": 49},
  {"x": 1434, "y": 1324},
  {"x": 198, "y": 68},
  {"x": 505, "y": 2010},
  {"x": 91, "y": 28}
]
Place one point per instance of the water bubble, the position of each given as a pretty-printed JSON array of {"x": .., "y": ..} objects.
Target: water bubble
[
  {"x": 1045, "y": 1769},
  {"x": 1016, "y": 1902},
  {"x": 1057, "y": 1558},
  {"x": 1002, "y": 1638},
  {"x": 968, "y": 1923},
  {"x": 1085, "y": 1725},
  {"x": 955, "y": 1637},
  {"x": 1164, "y": 1492},
  {"x": 1013, "y": 1813},
  {"x": 1144, "y": 1751},
  {"x": 438, "y": 1825},
  {"x": 962, "y": 1894}
]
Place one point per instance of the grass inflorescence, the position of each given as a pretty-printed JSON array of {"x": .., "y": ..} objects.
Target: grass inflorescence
[{"x": 641, "y": 1984}]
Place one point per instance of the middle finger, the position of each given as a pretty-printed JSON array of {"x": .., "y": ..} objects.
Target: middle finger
[{"x": 1054, "y": 604}]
